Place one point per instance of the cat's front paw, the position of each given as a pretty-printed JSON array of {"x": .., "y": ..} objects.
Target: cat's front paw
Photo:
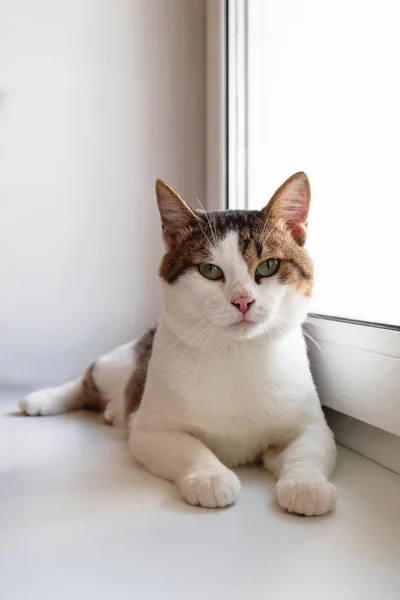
[
  {"x": 211, "y": 488},
  {"x": 306, "y": 497}
]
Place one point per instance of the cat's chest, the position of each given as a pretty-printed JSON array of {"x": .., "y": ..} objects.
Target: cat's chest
[
  {"x": 241, "y": 404},
  {"x": 237, "y": 402},
  {"x": 241, "y": 387}
]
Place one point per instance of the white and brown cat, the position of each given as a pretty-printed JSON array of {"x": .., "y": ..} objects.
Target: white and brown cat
[{"x": 224, "y": 379}]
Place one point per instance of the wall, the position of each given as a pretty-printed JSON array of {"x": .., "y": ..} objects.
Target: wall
[{"x": 98, "y": 98}]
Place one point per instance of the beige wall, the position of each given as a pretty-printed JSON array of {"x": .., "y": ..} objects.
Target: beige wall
[{"x": 98, "y": 98}]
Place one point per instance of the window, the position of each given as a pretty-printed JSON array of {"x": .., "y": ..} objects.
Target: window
[
  {"x": 323, "y": 97},
  {"x": 316, "y": 87}
]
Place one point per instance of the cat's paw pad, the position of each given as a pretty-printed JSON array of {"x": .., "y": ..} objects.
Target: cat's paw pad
[
  {"x": 37, "y": 403},
  {"x": 211, "y": 488},
  {"x": 306, "y": 497}
]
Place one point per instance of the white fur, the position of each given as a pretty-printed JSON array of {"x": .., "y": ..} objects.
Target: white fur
[
  {"x": 111, "y": 374},
  {"x": 54, "y": 400},
  {"x": 221, "y": 393}
]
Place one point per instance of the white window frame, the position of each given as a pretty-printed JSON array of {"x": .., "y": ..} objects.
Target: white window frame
[
  {"x": 216, "y": 106},
  {"x": 356, "y": 365}
]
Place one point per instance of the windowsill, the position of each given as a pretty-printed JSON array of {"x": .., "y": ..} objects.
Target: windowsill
[
  {"x": 371, "y": 442},
  {"x": 73, "y": 501},
  {"x": 357, "y": 370}
]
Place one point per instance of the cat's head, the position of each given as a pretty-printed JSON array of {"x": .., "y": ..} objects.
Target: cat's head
[{"x": 240, "y": 273}]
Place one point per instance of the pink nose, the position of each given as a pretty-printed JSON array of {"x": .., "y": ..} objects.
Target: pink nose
[{"x": 243, "y": 303}]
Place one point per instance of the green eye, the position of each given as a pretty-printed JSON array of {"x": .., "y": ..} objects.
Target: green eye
[
  {"x": 210, "y": 271},
  {"x": 268, "y": 268}
]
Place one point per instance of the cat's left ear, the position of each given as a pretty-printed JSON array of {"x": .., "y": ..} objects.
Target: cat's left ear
[
  {"x": 175, "y": 214},
  {"x": 290, "y": 204}
]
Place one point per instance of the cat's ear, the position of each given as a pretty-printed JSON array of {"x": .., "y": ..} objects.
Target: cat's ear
[
  {"x": 175, "y": 214},
  {"x": 290, "y": 205}
]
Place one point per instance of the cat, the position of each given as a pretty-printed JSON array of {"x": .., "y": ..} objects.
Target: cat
[{"x": 224, "y": 379}]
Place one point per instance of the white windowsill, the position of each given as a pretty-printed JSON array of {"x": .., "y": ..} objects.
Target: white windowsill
[
  {"x": 357, "y": 370},
  {"x": 74, "y": 502}
]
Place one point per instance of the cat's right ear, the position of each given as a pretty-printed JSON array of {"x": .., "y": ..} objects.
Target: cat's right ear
[{"x": 175, "y": 214}]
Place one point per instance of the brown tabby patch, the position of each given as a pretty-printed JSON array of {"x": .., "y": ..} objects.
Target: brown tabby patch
[
  {"x": 135, "y": 387},
  {"x": 258, "y": 240},
  {"x": 93, "y": 399}
]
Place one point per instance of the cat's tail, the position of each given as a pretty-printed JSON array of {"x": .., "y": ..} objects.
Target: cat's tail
[{"x": 73, "y": 395}]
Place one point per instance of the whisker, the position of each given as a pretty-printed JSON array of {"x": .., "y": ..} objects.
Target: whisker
[
  {"x": 213, "y": 231},
  {"x": 213, "y": 330},
  {"x": 190, "y": 344},
  {"x": 266, "y": 330},
  {"x": 322, "y": 351},
  {"x": 279, "y": 327},
  {"x": 192, "y": 327},
  {"x": 202, "y": 230}
]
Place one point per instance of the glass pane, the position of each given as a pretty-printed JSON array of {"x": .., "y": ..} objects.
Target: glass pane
[{"x": 324, "y": 97}]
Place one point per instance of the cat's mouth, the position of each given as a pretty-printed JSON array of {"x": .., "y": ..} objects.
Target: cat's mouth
[{"x": 243, "y": 325}]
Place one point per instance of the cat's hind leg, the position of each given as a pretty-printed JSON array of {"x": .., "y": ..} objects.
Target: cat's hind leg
[
  {"x": 54, "y": 400},
  {"x": 102, "y": 387},
  {"x": 111, "y": 375}
]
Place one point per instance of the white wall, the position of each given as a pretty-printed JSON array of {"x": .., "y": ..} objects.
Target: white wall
[{"x": 98, "y": 98}]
